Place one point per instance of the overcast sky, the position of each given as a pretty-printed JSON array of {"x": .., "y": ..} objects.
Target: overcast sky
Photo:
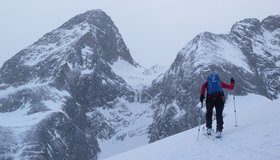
[{"x": 153, "y": 30}]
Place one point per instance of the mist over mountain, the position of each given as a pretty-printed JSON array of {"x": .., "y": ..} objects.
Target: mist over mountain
[{"x": 77, "y": 93}]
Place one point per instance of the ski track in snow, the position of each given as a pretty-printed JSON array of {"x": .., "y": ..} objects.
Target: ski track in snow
[{"x": 256, "y": 137}]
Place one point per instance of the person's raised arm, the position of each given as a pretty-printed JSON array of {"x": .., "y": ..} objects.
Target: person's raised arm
[{"x": 228, "y": 86}]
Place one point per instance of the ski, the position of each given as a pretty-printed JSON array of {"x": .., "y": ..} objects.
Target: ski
[
  {"x": 213, "y": 134},
  {"x": 205, "y": 133},
  {"x": 218, "y": 137}
]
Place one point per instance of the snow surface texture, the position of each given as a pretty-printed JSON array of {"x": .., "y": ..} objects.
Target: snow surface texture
[
  {"x": 256, "y": 137},
  {"x": 222, "y": 50},
  {"x": 131, "y": 121},
  {"x": 17, "y": 124},
  {"x": 137, "y": 77}
]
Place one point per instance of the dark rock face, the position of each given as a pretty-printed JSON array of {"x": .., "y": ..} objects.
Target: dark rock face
[
  {"x": 112, "y": 45},
  {"x": 51, "y": 93},
  {"x": 57, "y": 80},
  {"x": 249, "y": 53}
]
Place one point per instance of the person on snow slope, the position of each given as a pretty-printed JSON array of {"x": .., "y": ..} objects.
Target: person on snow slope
[{"x": 215, "y": 98}]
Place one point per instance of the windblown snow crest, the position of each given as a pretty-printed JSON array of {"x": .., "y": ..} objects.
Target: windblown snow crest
[{"x": 77, "y": 93}]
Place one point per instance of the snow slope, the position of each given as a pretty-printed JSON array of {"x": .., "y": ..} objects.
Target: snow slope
[
  {"x": 256, "y": 137},
  {"x": 137, "y": 77},
  {"x": 131, "y": 122}
]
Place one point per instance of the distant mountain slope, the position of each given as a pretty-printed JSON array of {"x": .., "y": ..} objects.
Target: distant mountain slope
[
  {"x": 77, "y": 93},
  {"x": 54, "y": 95},
  {"x": 250, "y": 53},
  {"x": 256, "y": 136}
]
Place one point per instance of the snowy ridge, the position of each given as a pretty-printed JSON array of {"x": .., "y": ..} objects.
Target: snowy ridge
[
  {"x": 207, "y": 49},
  {"x": 256, "y": 136},
  {"x": 137, "y": 77},
  {"x": 249, "y": 54},
  {"x": 57, "y": 48},
  {"x": 78, "y": 94}
]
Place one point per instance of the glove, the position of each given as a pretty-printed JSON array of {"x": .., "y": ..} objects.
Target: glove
[
  {"x": 232, "y": 80},
  {"x": 202, "y": 98}
]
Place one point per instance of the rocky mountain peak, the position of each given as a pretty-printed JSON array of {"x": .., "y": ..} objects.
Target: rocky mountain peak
[
  {"x": 79, "y": 84},
  {"x": 271, "y": 23},
  {"x": 61, "y": 80},
  {"x": 95, "y": 17},
  {"x": 247, "y": 27},
  {"x": 100, "y": 30},
  {"x": 85, "y": 41},
  {"x": 249, "y": 53}
]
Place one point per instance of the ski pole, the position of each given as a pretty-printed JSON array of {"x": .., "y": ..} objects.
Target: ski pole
[
  {"x": 199, "y": 123},
  {"x": 235, "y": 111}
]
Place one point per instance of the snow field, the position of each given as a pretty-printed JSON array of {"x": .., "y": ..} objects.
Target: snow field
[
  {"x": 256, "y": 137},
  {"x": 130, "y": 124},
  {"x": 136, "y": 77}
]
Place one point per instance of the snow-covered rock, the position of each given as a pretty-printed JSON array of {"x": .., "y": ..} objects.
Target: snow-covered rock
[
  {"x": 77, "y": 93},
  {"x": 249, "y": 53},
  {"x": 56, "y": 94}
]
